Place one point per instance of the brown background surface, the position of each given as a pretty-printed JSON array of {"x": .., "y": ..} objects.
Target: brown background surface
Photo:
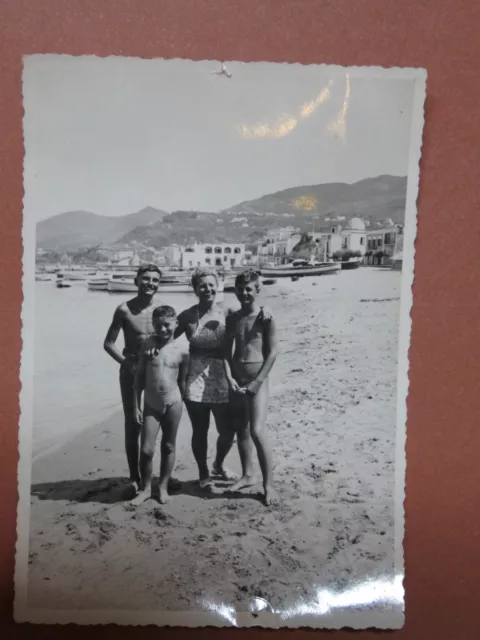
[{"x": 442, "y": 543}]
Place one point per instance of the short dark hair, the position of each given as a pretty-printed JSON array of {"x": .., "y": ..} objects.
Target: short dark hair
[
  {"x": 247, "y": 276},
  {"x": 147, "y": 267},
  {"x": 203, "y": 272},
  {"x": 164, "y": 312}
]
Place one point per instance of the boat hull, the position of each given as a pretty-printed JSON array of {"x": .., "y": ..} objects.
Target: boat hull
[
  {"x": 129, "y": 286},
  {"x": 350, "y": 264},
  {"x": 272, "y": 272},
  {"x": 122, "y": 286},
  {"x": 98, "y": 285}
]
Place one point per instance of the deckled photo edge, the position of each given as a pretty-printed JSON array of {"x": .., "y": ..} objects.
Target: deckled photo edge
[
  {"x": 21, "y": 611},
  {"x": 405, "y": 325},
  {"x": 25, "y": 395}
]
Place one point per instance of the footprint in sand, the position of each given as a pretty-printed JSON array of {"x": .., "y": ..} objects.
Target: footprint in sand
[{"x": 143, "y": 538}]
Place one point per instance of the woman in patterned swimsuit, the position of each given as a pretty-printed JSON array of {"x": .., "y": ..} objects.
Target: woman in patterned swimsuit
[{"x": 206, "y": 385}]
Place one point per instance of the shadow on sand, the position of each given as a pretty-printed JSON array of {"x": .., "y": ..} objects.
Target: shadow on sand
[{"x": 115, "y": 490}]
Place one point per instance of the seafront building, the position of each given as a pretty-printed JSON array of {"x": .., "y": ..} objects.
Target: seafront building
[
  {"x": 384, "y": 239},
  {"x": 332, "y": 237},
  {"x": 227, "y": 256}
]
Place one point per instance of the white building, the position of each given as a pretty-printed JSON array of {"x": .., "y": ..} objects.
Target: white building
[
  {"x": 213, "y": 255},
  {"x": 384, "y": 239},
  {"x": 354, "y": 237}
]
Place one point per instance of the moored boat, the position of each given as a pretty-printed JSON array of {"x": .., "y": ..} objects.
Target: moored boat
[
  {"x": 167, "y": 285},
  {"x": 98, "y": 284},
  {"x": 300, "y": 268},
  {"x": 65, "y": 281},
  {"x": 350, "y": 264}
]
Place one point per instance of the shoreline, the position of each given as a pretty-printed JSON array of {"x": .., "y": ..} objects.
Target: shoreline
[{"x": 331, "y": 423}]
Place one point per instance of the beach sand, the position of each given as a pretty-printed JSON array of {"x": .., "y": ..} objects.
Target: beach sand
[{"x": 332, "y": 428}]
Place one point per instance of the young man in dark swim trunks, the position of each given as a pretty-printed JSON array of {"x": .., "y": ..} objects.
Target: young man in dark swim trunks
[
  {"x": 161, "y": 374},
  {"x": 254, "y": 335},
  {"x": 134, "y": 318}
]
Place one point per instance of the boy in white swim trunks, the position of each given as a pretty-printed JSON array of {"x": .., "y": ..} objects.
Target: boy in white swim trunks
[
  {"x": 161, "y": 373},
  {"x": 254, "y": 335}
]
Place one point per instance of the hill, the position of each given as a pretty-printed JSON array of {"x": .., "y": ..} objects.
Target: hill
[
  {"x": 81, "y": 229},
  {"x": 377, "y": 198},
  {"x": 374, "y": 199}
]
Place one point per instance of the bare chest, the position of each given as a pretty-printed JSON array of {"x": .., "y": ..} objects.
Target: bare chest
[
  {"x": 139, "y": 324},
  {"x": 163, "y": 361},
  {"x": 249, "y": 330}
]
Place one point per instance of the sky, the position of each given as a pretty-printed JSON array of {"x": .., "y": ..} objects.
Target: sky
[{"x": 114, "y": 135}]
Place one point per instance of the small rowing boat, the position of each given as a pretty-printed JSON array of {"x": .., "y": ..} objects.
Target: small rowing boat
[{"x": 301, "y": 268}]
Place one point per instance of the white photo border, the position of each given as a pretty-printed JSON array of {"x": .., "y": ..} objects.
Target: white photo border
[{"x": 331, "y": 611}]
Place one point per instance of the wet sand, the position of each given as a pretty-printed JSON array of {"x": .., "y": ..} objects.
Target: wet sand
[{"x": 332, "y": 428}]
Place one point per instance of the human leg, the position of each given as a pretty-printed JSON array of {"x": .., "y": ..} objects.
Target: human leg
[
  {"x": 224, "y": 420},
  {"x": 199, "y": 414},
  {"x": 258, "y": 407},
  {"x": 169, "y": 423},
  {"x": 132, "y": 428},
  {"x": 150, "y": 428},
  {"x": 241, "y": 414}
]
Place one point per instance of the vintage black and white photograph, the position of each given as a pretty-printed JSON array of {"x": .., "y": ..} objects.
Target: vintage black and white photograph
[{"x": 217, "y": 279}]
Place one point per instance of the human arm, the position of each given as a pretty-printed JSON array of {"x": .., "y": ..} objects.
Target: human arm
[
  {"x": 227, "y": 352},
  {"x": 109, "y": 344},
  {"x": 182, "y": 321},
  {"x": 182, "y": 373},
  {"x": 270, "y": 355}
]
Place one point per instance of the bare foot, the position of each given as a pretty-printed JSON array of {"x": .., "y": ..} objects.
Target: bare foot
[
  {"x": 131, "y": 489},
  {"x": 163, "y": 496},
  {"x": 245, "y": 481},
  {"x": 224, "y": 473},
  {"x": 141, "y": 497},
  {"x": 205, "y": 483},
  {"x": 270, "y": 498}
]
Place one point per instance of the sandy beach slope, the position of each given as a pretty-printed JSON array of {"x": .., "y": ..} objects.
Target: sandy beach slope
[{"x": 332, "y": 427}]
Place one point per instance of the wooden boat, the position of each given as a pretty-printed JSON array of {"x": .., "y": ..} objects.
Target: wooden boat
[
  {"x": 64, "y": 281},
  {"x": 98, "y": 284},
  {"x": 167, "y": 285},
  {"x": 43, "y": 277},
  {"x": 350, "y": 264},
  {"x": 301, "y": 268},
  {"x": 75, "y": 274}
]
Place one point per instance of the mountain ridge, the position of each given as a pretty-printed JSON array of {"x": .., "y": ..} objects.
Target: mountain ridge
[{"x": 374, "y": 199}]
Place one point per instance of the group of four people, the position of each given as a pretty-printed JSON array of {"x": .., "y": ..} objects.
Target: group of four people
[{"x": 224, "y": 373}]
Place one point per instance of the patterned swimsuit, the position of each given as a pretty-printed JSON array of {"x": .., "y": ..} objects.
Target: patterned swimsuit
[{"x": 206, "y": 381}]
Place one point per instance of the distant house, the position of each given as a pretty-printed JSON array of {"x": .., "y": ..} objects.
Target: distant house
[
  {"x": 214, "y": 255},
  {"x": 384, "y": 239},
  {"x": 331, "y": 238}
]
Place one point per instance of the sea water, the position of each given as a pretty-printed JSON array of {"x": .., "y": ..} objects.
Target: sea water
[{"x": 76, "y": 383}]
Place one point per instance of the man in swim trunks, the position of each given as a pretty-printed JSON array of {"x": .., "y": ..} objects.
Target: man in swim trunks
[
  {"x": 254, "y": 335},
  {"x": 134, "y": 318},
  {"x": 161, "y": 373}
]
